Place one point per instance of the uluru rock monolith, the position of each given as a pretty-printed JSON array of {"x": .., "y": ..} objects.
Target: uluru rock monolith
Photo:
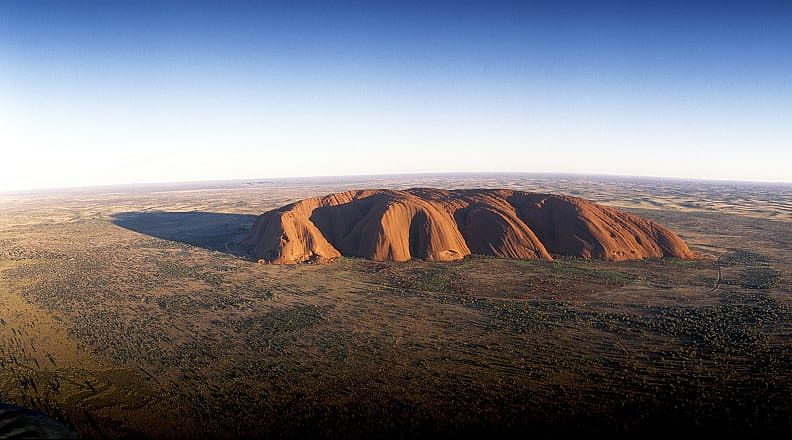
[{"x": 447, "y": 225}]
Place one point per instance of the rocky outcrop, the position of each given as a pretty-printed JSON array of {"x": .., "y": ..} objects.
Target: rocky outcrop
[{"x": 442, "y": 225}]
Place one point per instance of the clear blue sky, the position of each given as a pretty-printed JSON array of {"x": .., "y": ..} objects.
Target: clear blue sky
[{"x": 113, "y": 92}]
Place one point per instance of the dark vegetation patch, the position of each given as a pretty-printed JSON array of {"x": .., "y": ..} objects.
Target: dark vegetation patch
[
  {"x": 743, "y": 257},
  {"x": 10, "y": 250},
  {"x": 750, "y": 270},
  {"x": 759, "y": 278},
  {"x": 503, "y": 278},
  {"x": 175, "y": 269}
]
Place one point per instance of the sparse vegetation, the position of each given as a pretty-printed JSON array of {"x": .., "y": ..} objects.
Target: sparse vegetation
[{"x": 120, "y": 333}]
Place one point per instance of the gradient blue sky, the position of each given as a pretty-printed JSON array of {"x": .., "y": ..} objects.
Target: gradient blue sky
[{"x": 116, "y": 92}]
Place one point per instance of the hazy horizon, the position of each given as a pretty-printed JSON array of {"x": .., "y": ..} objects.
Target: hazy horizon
[
  {"x": 108, "y": 93},
  {"x": 406, "y": 175}
]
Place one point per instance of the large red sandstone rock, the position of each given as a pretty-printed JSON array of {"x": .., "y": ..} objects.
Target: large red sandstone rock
[{"x": 441, "y": 225}]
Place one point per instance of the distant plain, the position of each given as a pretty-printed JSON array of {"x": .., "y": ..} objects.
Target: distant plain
[{"x": 130, "y": 311}]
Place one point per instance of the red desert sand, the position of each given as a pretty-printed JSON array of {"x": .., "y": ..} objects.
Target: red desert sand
[{"x": 442, "y": 225}]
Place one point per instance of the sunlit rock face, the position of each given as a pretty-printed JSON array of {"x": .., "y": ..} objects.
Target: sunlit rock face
[{"x": 443, "y": 225}]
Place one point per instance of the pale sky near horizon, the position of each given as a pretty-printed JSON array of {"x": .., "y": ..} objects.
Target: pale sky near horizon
[{"x": 95, "y": 93}]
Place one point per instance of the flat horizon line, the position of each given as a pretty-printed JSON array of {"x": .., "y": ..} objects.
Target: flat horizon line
[{"x": 72, "y": 188}]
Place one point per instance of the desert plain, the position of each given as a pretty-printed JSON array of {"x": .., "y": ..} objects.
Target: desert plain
[{"x": 131, "y": 311}]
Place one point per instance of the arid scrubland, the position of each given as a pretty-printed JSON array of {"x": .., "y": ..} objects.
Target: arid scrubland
[{"x": 129, "y": 311}]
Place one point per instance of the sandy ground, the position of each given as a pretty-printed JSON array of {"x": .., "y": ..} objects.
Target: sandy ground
[{"x": 127, "y": 312}]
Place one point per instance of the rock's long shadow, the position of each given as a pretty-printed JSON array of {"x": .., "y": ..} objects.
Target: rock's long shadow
[
  {"x": 214, "y": 231},
  {"x": 18, "y": 423}
]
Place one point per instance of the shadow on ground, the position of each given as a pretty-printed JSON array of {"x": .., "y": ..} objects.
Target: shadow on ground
[{"x": 213, "y": 231}]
